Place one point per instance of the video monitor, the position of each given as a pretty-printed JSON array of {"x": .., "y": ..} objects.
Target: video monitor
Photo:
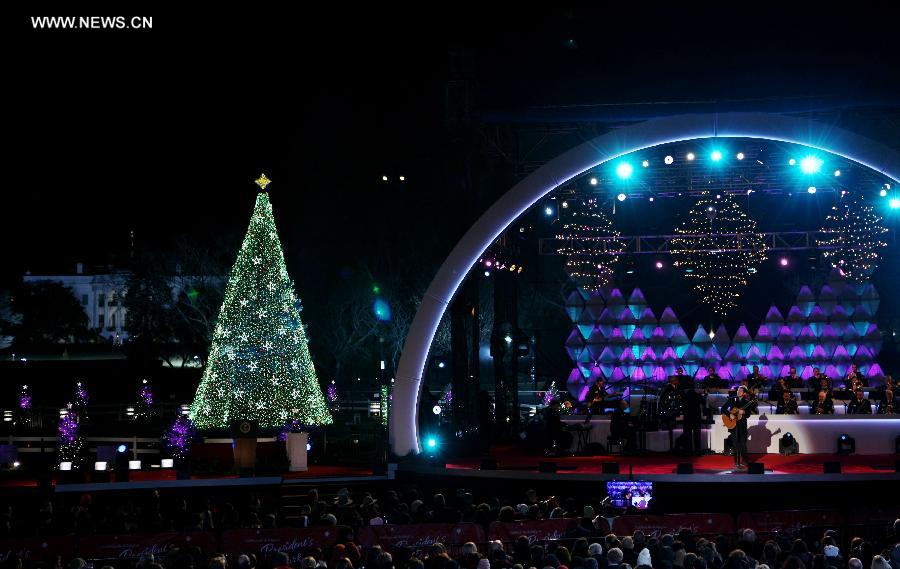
[{"x": 634, "y": 493}]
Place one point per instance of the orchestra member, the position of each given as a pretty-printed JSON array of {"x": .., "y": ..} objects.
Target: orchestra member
[
  {"x": 787, "y": 405},
  {"x": 855, "y": 379},
  {"x": 742, "y": 405},
  {"x": 684, "y": 381},
  {"x": 816, "y": 380},
  {"x": 888, "y": 405},
  {"x": 824, "y": 405},
  {"x": 670, "y": 399},
  {"x": 778, "y": 389},
  {"x": 755, "y": 380},
  {"x": 793, "y": 380},
  {"x": 596, "y": 397},
  {"x": 713, "y": 381},
  {"x": 859, "y": 405}
]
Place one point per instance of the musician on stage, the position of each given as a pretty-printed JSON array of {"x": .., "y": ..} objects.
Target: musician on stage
[
  {"x": 596, "y": 397},
  {"x": 755, "y": 380},
  {"x": 713, "y": 380},
  {"x": 818, "y": 381},
  {"x": 855, "y": 379},
  {"x": 859, "y": 405},
  {"x": 776, "y": 392},
  {"x": 684, "y": 381},
  {"x": 888, "y": 405},
  {"x": 740, "y": 406},
  {"x": 670, "y": 399},
  {"x": 787, "y": 405},
  {"x": 824, "y": 405},
  {"x": 793, "y": 380}
]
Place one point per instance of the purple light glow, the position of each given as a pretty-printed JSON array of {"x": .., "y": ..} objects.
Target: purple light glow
[
  {"x": 783, "y": 262},
  {"x": 180, "y": 436}
]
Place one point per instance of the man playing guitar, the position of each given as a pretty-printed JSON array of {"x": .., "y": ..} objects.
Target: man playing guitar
[{"x": 734, "y": 417}]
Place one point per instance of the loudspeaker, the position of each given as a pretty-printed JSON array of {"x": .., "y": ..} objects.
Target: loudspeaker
[
  {"x": 831, "y": 467},
  {"x": 685, "y": 468},
  {"x": 756, "y": 468},
  {"x": 610, "y": 468},
  {"x": 546, "y": 466},
  {"x": 488, "y": 463}
]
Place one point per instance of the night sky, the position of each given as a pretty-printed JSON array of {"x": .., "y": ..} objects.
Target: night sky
[{"x": 163, "y": 131}]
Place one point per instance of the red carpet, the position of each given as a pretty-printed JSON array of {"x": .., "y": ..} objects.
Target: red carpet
[{"x": 513, "y": 458}]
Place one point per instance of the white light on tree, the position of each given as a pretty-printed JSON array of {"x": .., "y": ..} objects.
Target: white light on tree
[
  {"x": 591, "y": 245},
  {"x": 718, "y": 248},
  {"x": 852, "y": 238}
]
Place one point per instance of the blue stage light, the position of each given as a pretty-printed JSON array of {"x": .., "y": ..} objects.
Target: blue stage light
[
  {"x": 621, "y": 197},
  {"x": 740, "y": 155},
  {"x": 593, "y": 181},
  {"x": 810, "y": 164},
  {"x": 792, "y": 162},
  {"x": 716, "y": 155},
  {"x": 431, "y": 443},
  {"x": 382, "y": 310},
  {"x": 624, "y": 170},
  {"x": 487, "y": 273},
  {"x": 882, "y": 193},
  {"x": 645, "y": 163},
  {"x": 668, "y": 160},
  {"x": 811, "y": 189},
  {"x": 122, "y": 448},
  {"x": 894, "y": 203},
  {"x": 548, "y": 210},
  {"x": 690, "y": 156}
]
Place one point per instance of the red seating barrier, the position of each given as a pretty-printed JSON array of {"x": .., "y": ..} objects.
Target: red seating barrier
[
  {"x": 699, "y": 524},
  {"x": 293, "y": 541},
  {"x": 135, "y": 545}
]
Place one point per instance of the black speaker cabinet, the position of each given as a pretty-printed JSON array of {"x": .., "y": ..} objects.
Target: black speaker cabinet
[{"x": 685, "y": 468}]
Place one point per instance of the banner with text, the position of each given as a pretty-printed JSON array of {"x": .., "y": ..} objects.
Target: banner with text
[
  {"x": 534, "y": 530},
  {"x": 419, "y": 536},
  {"x": 789, "y": 521},
  {"x": 656, "y": 526},
  {"x": 293, "y": 541},
  {"x": 129, "y": 546},
  {"x": 35, "y": 549}
]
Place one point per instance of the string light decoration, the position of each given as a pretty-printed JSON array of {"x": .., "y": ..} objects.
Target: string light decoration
[
  {"x": 334, "y": 402},
  {"x": 384, "y": 404},
  {"x": 69, "y": 443},
  {"x": 719, "y": 249},
  {"x": 180, "y": 436},
  {"x": 81, "y": 400},
  {"x": 25, "y": 398},
  {"x": 551, "y": 394},
  {"x": 852, "y": 238},
  {"x": 143, "y": 410},
  {"x": 591, "y": 245},
  {"x": 259, "y": 367}
]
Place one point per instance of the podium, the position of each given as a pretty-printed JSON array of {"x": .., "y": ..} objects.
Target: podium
[
  {"x": 244, "y": 435},
  {"x": 296, "y": 451}
]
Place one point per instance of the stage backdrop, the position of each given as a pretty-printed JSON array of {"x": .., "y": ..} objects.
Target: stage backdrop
[{"x": 618, "y": 338}]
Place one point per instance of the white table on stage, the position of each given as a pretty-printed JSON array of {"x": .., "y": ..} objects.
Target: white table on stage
[
  {"x": 816, "y": 434},
  {"x": 657, "y": 441}
]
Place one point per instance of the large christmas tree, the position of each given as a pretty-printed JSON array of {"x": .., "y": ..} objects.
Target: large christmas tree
[{"x": 259, "y": 366}]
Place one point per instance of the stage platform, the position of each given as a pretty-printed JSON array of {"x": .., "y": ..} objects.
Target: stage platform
[{"x": 513, "y": 463}]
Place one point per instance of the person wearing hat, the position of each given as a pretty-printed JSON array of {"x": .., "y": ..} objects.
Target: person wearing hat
[{"x": 643, "y": 560}]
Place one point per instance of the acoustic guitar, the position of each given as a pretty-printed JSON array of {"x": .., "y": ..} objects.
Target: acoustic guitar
[{"x": 730, "y": 419}]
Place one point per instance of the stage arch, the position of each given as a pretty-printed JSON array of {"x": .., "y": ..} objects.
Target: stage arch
[{"x": 404, "y": 435}]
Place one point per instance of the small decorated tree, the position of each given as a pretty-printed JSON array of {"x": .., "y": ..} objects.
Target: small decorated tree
[
  {"x": 143, "y": 409},
  {"x": 179, "y": 438},
  {"x": 69, "y": 442}
]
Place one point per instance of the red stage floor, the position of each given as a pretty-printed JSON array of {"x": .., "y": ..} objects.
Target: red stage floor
[{"x": 513, "y": 458}]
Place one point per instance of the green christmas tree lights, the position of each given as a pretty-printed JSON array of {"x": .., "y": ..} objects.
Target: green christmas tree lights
[{"x": 259, "y": 367}]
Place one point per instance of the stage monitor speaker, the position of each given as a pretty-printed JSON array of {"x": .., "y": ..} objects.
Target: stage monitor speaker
[
  {"x": 610, "y": 468},
  {"x": 756, "y": 468},
  {"x": 831, "y": 467},
  {"x": 546, "y": 466},
  {"x": 488, "y": 463},
  {"x": 685, "y": 468}
]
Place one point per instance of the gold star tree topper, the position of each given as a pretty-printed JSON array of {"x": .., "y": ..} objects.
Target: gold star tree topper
[{"x": 262, "y": 182}]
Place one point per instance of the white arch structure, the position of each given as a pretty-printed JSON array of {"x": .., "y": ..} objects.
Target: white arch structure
[{"x": 404, "y": 434}]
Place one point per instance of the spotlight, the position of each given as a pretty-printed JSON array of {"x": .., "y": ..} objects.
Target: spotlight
[
  {"x": 487, "y": 273},
  {"x": 645, "y": 163},
  {"x": 668, "y": 160},
  {"x": 690, "y": 156},
  {"x": 121, "y": 448},
  {"x": 651, "y": 198},
  {"x": 783, "y": 262},
  {"x": 384, "y": 178},
  {"x": 565, "y": 205},
  {"x": 402, "y": 178},
  {"x": 740, "y": 155},
  {"x": 787, "y": 444},
  {"x": 508, "y": 339},
  {"x": 810, "y": 164},
  {"x": 846, "y": 444},
  {"x": 431, "y": 443},
  {"x": 593, "y": 181},
  {"x": 710, "y": 208},
  {"x": 811, "y": 189},
  {"x": 659, "y": 265},
  {"x": 837, "y": 173},
  {"x": 624, "y": 170},
  {"x": 441, "y": 364},
  {"x": 308, "y": 447},
  {"x": 882, "y": 193},
  {"x": 436, "y": 409},
  {"x": 488, "y": 263},
  {"x": 712, "y": 335},
  {"x": 621, "y": 197},
  {"x": 894, "y": 203},
  {"x": 716, "y": 155},
  {"x": 548, "y": 210},
  {"x": 792, "y": 162}
]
